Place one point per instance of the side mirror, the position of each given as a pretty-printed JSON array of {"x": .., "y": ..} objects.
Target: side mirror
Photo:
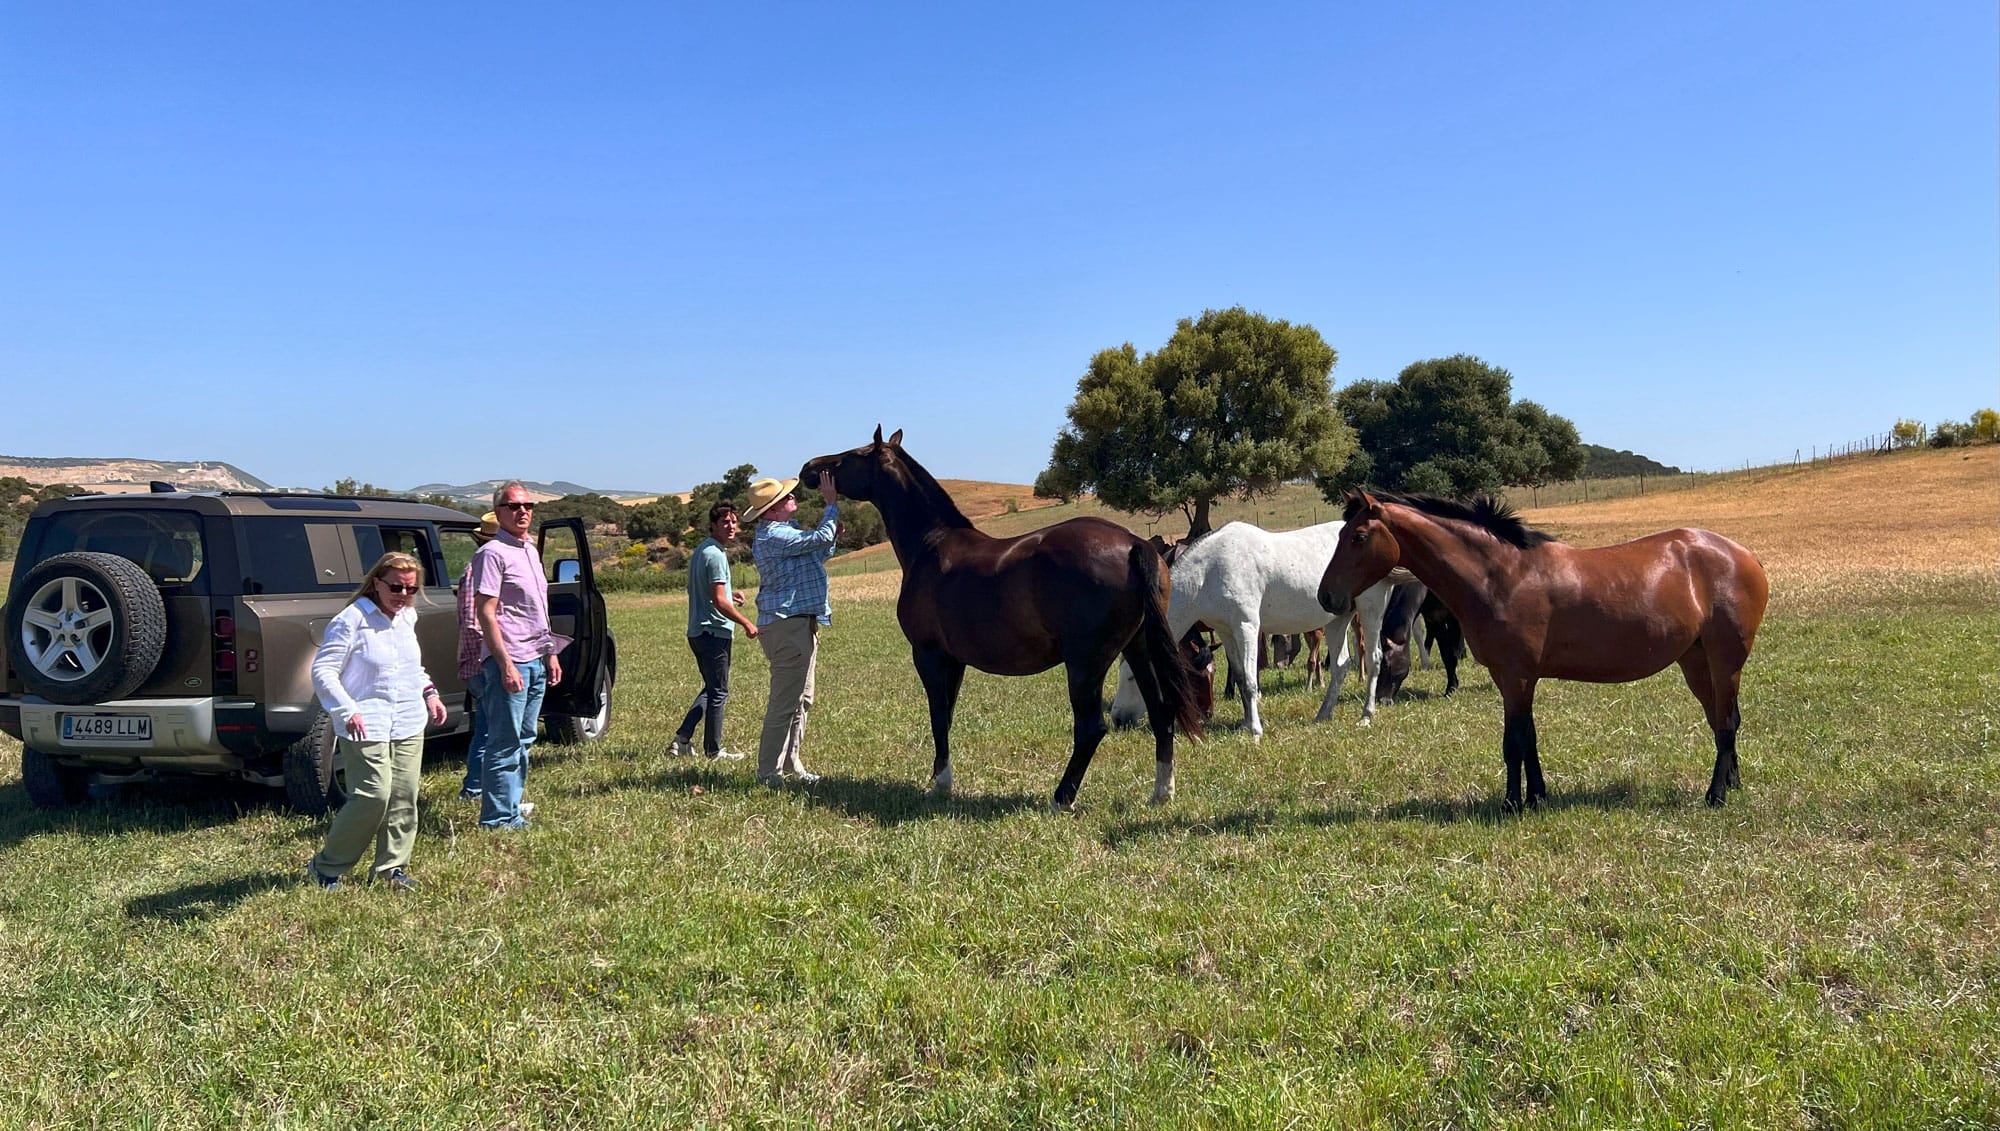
[{"x": 567, "y": 570}]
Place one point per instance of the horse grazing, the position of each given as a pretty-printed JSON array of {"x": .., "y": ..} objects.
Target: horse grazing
[
  {"x": 1245, "y": 582},
  {"x": 1416, "y": 618},
  {"x": 1535, "y": 608},
  {"x": 1080, "y": 593}
]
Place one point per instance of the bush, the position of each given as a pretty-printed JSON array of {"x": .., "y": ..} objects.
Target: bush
[
  {"x": 1986, "y": 425},
  {"x": 1951, "y": 434},
  {"x": 644, "y": 580}
]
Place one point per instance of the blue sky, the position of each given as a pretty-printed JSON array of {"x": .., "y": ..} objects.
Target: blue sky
[{"x": 635, "y": 245}]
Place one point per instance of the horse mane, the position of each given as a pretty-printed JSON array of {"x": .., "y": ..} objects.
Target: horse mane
[
  {"x": 933, "y": 492},
  {"x": 1484, "y": 511}
]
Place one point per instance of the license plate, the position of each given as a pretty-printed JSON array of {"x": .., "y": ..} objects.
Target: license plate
[{"x": 94, "y": 729}]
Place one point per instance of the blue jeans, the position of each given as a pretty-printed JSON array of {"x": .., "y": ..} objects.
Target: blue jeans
[
  {"x": 511, "y": 718},
  {"x": 475, "y": 747}
]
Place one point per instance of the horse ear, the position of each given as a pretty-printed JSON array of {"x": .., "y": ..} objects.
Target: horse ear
[
  {"x": 878, "y": 435},
  {"x": 896, "y": 439}
]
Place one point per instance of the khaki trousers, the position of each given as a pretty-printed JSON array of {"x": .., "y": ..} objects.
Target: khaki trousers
[
  {"x": 792, "y": 646},
  {"x": 381, "y": 806}
]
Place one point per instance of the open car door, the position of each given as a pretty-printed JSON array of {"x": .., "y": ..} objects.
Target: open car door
[{"x": 579, "y": 708}]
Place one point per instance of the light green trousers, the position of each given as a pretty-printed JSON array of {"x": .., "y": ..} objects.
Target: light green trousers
[{"x": 381, "y": 806}]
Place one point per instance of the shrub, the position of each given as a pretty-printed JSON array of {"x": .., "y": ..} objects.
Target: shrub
[
  {"x": 1951, "y": 434},
  {"x": 1907, "y": 434},
  {"x": 1986, "y": 425}
]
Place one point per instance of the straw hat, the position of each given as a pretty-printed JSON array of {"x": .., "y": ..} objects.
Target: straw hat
[
  {"x": 489, "y": 524},
  {"x": 768, "y": 493}
]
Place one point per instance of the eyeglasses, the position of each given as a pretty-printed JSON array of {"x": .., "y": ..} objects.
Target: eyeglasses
[
  {"x": 519, "y": 506},
  {"x": 395, "y": 588}
]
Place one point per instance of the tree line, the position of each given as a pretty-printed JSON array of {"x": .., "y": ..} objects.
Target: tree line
[{"x": 1237, "y": 404}]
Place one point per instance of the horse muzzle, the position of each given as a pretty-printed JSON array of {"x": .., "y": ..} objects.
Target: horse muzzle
[{"x": 1335, "y": 604}]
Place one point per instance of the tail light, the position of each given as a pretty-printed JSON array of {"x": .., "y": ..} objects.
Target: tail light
[{"x": 225, "y": 653}]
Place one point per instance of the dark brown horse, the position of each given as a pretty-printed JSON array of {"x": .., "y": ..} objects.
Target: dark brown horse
[
  {"x": 1080, "y": 593},
  {"x": 1535, "y": 608}
]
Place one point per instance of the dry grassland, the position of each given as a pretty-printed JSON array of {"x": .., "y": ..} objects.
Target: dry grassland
[{"x": 1885, "y": 526}]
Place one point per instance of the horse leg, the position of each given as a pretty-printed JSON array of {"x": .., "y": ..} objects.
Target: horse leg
[
  {"x": 1336, "y": 668},
  {"x": 1159, "y": 716},
  {"x": 1086, "y": 706},
  {"x": 1243, "y": 641},
  {"x": 1518, "y": 745},
  {"x": 1716, "y": 682},
  {"x": 942, "y": 676},
  {"x": 1371, "y": 611}
]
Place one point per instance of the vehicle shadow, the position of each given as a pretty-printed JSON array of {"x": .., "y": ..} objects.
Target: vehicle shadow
[
  {"x": 117, "y": 810},
  {"x": 198, "y": 902},
  {"x": 1487, "y": 810}
]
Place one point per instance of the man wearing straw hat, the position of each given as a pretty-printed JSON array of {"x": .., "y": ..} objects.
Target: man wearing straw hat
[{"x": 792, "y": 604}]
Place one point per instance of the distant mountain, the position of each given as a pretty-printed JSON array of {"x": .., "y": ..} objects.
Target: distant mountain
[
  {"x": 482, "y": 493},
  {"x": 1607, "y": 464},
  {"x": 124, "y": 476}
]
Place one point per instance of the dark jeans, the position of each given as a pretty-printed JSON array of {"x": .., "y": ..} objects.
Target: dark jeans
[{"x": 711, "y": 657}]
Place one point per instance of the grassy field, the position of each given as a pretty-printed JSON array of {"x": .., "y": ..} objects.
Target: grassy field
[{"x": 1333, "y": 928}]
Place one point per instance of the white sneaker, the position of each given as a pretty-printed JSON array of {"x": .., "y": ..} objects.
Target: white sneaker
[
  {"x": 725, "y": 756},
  {"x": 681, "y": 748},
  {"x": 805, "y": 777},
  {"x": 527, "y": 807}
]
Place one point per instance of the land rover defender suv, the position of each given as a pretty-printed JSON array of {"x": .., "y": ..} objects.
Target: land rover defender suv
[{"x": 173, "y": 633}]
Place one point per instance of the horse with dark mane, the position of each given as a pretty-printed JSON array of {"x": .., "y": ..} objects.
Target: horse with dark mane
[
  {"x": 1080, "y": 593},
  {"x": 1534, "y": 608}
]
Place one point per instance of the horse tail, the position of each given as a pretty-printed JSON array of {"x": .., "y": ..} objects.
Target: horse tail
[{"x": 1156, "y": 647}]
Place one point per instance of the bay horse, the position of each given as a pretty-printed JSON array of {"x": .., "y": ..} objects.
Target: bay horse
[
  {"x": 1535, "y": 608},
  {"x": 1246, "y": 582},
  {"x": 1079, "y": 593}
]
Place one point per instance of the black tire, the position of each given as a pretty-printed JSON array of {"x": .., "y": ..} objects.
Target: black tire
[
  {"x": 123, "y": 648},
  {"x": 52, "y": 785},
  {"x": 575, "y": 730},
  {"x": 315, "y": 781}
]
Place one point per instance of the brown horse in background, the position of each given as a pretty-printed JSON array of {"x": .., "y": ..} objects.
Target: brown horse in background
[
  {"x": 1080, "y": 593},
  {"x": 1535, "y": 608}
]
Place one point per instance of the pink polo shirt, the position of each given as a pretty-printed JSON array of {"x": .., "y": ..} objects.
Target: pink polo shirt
[{"x": 511, "y": 570}]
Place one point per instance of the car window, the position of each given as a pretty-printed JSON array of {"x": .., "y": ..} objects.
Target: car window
[
  {"x": 458, "y": 546},
  {"x": 166, "y": 544},
  {"x": 285, "y": 554},
  {"x": 558, "y": 544},
  {"x": 416, "y": 542}
]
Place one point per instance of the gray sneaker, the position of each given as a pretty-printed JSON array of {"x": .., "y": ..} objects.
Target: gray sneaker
[
  {"x": 725, "y": 756},
  {"x": 681, "y": 747}
]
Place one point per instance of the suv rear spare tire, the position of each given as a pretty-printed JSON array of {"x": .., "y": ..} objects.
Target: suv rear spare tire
[
  {"x": 315, "y": 781},
  {"x": 86, "y": 627}
]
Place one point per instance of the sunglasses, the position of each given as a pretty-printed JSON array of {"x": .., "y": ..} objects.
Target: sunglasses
[
  {"x": 395, "y": 588},
  {"x": 519, "y": 506}
]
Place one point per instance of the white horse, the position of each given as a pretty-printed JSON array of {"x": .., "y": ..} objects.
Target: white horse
[{"x": 1243, "y": 582}]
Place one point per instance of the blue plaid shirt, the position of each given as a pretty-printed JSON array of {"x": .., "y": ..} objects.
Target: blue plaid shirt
[{"x": 791, "y": 582}]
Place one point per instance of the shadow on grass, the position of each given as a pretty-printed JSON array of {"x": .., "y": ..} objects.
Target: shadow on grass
[
  {"x": 162, "y": 806},
  {"x": 885, "y": 801},
  {"x": 1622, "y": 795},
  {"x": 197, "y": 902}
]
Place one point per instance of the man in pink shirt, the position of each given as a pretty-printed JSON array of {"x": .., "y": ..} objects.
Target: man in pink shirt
[{"x": 518, "y": 653}]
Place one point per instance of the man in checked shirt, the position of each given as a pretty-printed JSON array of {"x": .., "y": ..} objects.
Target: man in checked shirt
[{"x": 791, "y": 605}]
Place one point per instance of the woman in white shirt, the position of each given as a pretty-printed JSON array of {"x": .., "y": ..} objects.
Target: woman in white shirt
[{"x": 369, "y": 675}]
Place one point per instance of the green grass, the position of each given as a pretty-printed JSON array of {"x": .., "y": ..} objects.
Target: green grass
[{"x": 1334, "y": 928}]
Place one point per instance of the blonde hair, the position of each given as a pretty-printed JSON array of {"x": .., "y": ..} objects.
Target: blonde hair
[{"x": 395, "y": 561}]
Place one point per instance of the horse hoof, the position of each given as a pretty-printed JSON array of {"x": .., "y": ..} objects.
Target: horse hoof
[
  {"x": 1364, "y": 721},
  {"x": 1715, "y": 800},
  {"x": 1161, "y": 797},
  {"x": 1062, "y": 808},
  {"x": 941, "y": 785}
]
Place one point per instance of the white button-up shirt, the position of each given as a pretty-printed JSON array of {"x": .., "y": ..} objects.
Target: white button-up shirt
[{"x": 372, "y": 666}]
